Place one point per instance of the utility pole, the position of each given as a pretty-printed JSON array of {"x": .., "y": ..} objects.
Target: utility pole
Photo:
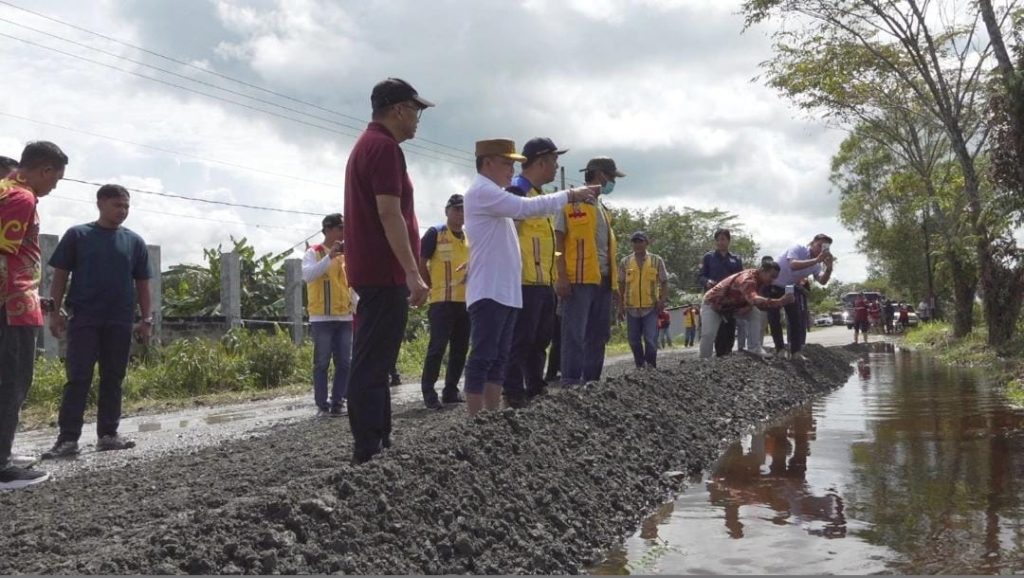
[{"x": 562, "y": 170}]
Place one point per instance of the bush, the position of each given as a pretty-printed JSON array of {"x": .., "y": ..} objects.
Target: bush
[{"x": 269, "y": 357}]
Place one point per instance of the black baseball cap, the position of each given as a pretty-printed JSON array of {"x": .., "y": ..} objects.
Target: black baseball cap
[
  {"x": 455, "y": 200},
  {"x": 605, "y": 165},
  {"x": 639, "y": 236},
  {"x": 540, "y": 146},
  {"x": 393, "y": 91},
  {"x": 333, "y": 220}
]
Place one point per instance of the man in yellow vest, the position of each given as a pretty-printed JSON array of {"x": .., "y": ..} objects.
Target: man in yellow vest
[
  {"x": 444, "y": 254},
  {"x": 690, "y": 319},
  {"x": 643, "y": 282},
  {"x": 330, "y": 315},
  {"x": 587, "y": 277},
  {"x": 535, "y": 321}
]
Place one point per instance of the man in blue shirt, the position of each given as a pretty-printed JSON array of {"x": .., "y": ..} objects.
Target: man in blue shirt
[
  {"x": 715, "y": 266},
  {"x": 796, "y": 264},
  {"x": 108, "y": 266}
]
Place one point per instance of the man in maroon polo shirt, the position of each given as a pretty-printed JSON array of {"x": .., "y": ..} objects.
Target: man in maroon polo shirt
[{"x": 381, "y": 245}]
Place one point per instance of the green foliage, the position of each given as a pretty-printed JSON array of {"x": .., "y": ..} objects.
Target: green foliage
[
  {"x": 194, "y": 290},
  {"x": 682, "y": 237}
]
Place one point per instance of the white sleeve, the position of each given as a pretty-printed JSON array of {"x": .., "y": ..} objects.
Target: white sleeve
[
  {"x": 497, "y": 202},
  {"x": 313, "y": 269}
]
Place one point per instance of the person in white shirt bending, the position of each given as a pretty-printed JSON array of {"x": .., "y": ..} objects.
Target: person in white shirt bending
[{"x": 494, "y": 292}]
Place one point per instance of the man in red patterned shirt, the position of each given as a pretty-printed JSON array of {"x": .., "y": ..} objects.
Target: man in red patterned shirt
[
  {"x": 734, "y": 297},
  {"x": 41, "y": 167}
]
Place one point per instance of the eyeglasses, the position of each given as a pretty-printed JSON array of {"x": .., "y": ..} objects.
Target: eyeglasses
[{"x": 415, "y": 109}]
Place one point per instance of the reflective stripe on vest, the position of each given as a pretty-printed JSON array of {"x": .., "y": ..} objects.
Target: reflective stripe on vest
[
  {"x": 537, "y": 247},
  {"x": 581, "y": 244},
  {"x": 642, "y": 282}
]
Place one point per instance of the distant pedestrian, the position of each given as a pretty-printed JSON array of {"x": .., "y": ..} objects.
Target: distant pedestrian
[
  {"x": 108, "y": 268},
  {"x": 875, "y": 315},
  {"x": 664, "y": 335},
  {"x": 494, "y": 283},
  {"x": 330, "y": 306},
  {"x": 21, "y": 314},
  {"x": 715, "y": 266},
  {"x": 888, "y": 316},
  {"x": 904, "y": 316},
  {"x": 643, "y": 284},
  {"x": 860, "y": 317},
  {"x": 383, "y": 240},
  {"x": 737, "y": 296},
  {"x": 691, "y": 318},
  {"x": 444, "y": 255},
  {"x": 798, "y": 263},
  {"x": 587, "y": 279}
]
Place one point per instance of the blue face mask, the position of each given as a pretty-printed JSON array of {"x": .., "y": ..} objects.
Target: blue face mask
[{"x": 607, "y": 188}]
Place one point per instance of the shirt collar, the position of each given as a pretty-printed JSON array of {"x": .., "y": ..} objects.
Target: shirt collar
[{"x": 380, "y": 128}]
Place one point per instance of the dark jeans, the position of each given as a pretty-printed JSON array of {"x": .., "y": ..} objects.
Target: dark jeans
[
  {"x": 796, "y": 328},
  {"x": 331, "y": 340},
  {"x": 725, "y": 337},
  {"x": 379, "y": 329},
  {"x": 643, "y": 338},
  {"x": 691, "y": 336},
  {"x": 91, "y": 341},
  {"x": 17, "y": 363},
  {"x": 534, "y": 325},
  {"x": 586, "y": 328},
  {"x": 555, "y": 351},
  {"x": 449, "y": 329},
  {"x": 492, "y": 327}
]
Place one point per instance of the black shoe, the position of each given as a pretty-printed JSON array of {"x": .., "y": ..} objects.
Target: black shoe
[
  {"x": 61, "y": 449},
  {"x": 396, "y": 380},
  {"x": 515, "y": 400},
  {"x": 338, "y": 410},
  {"x": 111, "y": 443},
  {"x": 15, "y": 478},
  {"x": 453, "y": 398},
  {"x": 433, "y": 403},
  {"x": 535, "y": 393}
]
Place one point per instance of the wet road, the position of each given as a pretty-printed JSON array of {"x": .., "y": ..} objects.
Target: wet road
[
  {"x": 195, "y": 428},
  {"x": 911, "y": 468}
]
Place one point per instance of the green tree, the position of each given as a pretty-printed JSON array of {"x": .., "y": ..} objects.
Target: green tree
[
  {"x": 194, "y": 290},
  {"x": 682, "y": 237},
  {"x": 847, "y": 57}
]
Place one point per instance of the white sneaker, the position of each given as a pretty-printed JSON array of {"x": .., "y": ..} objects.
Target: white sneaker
[
  {"x": 799, "y": 357},
  {"x": 24, "y": 461},
  {"x": 760, "y": 352}
]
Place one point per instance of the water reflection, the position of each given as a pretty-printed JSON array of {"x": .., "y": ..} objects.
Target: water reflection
[{"x": 913, "y": 467}]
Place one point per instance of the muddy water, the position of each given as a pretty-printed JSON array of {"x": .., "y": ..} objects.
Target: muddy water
[{"x": 912, "y": 467}]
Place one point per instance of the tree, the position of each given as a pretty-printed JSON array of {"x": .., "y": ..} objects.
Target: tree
[
  {"x": 847, "y": 56},
  {"x": 682, "y": 237},
  {"x": 194, "y": 290}
]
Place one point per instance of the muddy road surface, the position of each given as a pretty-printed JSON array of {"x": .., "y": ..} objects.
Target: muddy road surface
[{"x": 542, "y": 490}]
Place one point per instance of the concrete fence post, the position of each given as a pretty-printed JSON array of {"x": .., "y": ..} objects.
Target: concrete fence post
[
  {"x": 231, "y": 289},
  {"x": 156, "y": 291},
  {"x": 293, "y": 297},
  {"x": 47, "y": 342}
]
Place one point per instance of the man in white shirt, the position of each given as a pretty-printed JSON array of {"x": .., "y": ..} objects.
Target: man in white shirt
[
  {"x": 494, "y": 283},
  {"x": 796, "y": 264}
]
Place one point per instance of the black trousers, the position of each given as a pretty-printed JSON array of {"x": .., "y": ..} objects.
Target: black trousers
[
  {"x": 449, "y": 329},
  {"x": 17, "y": 363},
  {"x": 555, "y": 351},
  {"x": 379, "y": 329},
  {"x": 726, "y": 337},
  {"x": 534, "y": 327},
  {"x": 94, "y": 341}
]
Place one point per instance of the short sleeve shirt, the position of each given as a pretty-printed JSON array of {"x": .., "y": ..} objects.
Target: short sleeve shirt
[
  {"x": 104, "y": 265},
  {"x": 787, "y": 276},
  {"x": 20, "y": 256},
  {"x": 376, "y": 166},
  {"x": 734, "y": 292}
]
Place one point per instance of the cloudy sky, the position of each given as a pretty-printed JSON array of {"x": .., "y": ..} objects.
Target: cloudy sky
[{"x": 663, "y": 86}]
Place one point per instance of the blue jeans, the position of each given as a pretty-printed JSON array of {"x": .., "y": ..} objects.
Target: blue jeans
[
  {"x": 92, "y": 341},
  {"x": 643, "y": 338},
  {"x": 331, "y": 340},
  {"x": 491, "y": 327},
  {"x": 586, "y": 329}
]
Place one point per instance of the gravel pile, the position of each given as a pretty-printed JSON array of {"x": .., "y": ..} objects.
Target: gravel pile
[{"x": 542, "y": 490}]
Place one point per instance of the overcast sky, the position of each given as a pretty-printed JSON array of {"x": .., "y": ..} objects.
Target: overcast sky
[{"x": 663, "y": 86}]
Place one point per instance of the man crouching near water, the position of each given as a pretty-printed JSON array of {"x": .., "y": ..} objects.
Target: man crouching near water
[
  {"x": 494, "y": 293},
  {"x": 736, "y": 296}
]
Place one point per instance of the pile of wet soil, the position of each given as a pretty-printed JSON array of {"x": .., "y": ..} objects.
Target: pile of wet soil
[{"x": 541, "y": 490}]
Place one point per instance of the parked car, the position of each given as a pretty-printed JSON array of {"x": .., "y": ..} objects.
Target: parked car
[
  {"x": 823, "y": 321},
  {"x": 848, "y": 300}
]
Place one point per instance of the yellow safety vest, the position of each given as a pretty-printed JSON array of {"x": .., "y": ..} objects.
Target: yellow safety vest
[
  {"x": 447, "y": 282},
  {"x": 537, "y": 246},
  {"x": 581, "y": 245},
  {"x": 642, "y": 282},
  {"x": 328, "y": 294},
  {"x": 689, "y": 319}
]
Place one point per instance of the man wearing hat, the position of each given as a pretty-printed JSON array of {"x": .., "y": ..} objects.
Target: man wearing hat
[
  {"x": 494, "y": 283},
  {"x": 535, "y": 322},
  {"x": 329, "y": 307},
  {"x": 587, "y": 277},
  {"x": 643, "y": 283},
  {"x": 383, "y": 239},
  {"x": 444, "y": 255}
]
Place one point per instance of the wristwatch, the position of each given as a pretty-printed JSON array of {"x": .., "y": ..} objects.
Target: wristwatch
[{"x": 148, "y": 320}]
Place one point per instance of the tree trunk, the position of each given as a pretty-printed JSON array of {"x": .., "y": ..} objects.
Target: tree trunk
[
  {"x": 964, "y": 285},
  {"x": 1003, "y": 296}
]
